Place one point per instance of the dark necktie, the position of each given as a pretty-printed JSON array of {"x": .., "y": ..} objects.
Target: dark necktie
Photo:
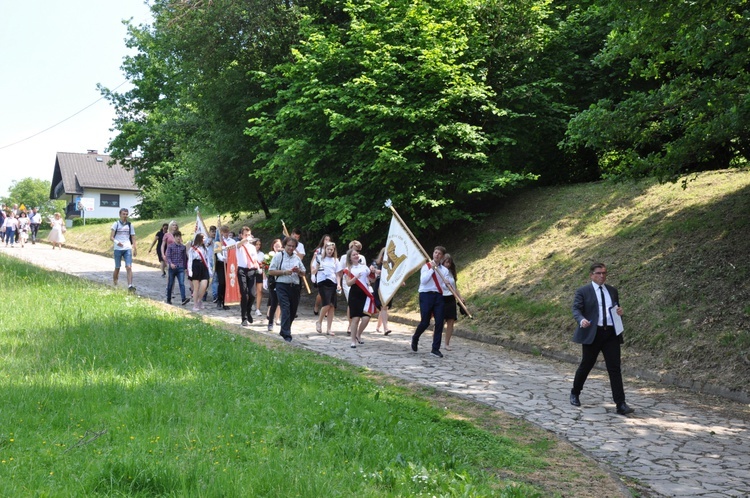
[{"x": 604, "y": 307}]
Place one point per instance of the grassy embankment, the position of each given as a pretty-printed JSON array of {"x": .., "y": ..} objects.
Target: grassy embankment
[
  {"x": 104, "y": 393},
  {"x": 679, "y": 258}
]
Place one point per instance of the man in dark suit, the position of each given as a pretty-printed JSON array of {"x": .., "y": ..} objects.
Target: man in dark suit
[{"x": 592, "y": 306}]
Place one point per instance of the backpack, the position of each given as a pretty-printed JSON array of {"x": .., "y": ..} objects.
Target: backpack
[{"x": 130, "y": 236}]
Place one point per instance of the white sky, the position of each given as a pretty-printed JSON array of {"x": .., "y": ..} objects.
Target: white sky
[{"x": 52, "y": 55}]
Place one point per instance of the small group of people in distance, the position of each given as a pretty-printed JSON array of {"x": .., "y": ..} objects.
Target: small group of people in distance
[{"x": 16, "y": 225}]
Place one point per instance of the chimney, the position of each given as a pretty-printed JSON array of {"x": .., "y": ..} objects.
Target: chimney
[{"x": 92, "y": 151}]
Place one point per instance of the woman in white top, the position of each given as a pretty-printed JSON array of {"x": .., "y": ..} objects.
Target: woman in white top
[
  {"x": 450, "y": 316},
  {"x": 326, "y": 270},
  {"x": 317, "y": 254},
  {"x": 361, "y": 301},
  {"x": 199, "y": 272},
  {"x": 56, "y": 234}
]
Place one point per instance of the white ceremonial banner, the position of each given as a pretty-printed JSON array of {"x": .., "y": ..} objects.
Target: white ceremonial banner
[
  {"x": 200, "y": 227},
  {"x": 402, "y": 258}
]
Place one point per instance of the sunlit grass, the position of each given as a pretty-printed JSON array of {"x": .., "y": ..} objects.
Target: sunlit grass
[{"x": 105, "y": 394}]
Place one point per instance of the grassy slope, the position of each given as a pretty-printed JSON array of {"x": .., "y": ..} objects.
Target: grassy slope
[{"x": 679, "y": 258}]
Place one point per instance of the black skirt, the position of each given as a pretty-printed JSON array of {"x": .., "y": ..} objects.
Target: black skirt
[
  {"x": 200, "y": 272},
  {"x": 327, "y": 292},
  {"x": 450, "y": 310},
  {"x": 357, "y": 300}
]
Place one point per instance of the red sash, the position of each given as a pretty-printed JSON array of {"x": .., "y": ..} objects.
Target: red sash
[
  {"x": 250, "y": 258},
  {"x": 370, "y": 303},
  {"x": 200, "y": 253},
  {"x": 434, "y": 278}
]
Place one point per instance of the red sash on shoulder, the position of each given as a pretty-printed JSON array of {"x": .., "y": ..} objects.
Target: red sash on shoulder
[
  {"x": 250, "y": 258},
  {"x": 200, "y": 253},
  {"x": 434, "y": 278},
  {"x": 370, "y": 302}
]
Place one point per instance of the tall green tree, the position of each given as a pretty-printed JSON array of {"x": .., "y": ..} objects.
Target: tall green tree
[
  {"x": 686, "y": 106},
  {"x": 383, "y": 99},
  {"x": 181, "y": 126}
]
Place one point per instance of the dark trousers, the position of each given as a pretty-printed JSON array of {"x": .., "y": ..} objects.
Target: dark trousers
[
  {"x": 288, "y": 295},
  {"x": 431, "y": 304},
  {"x": 246, "y": 278},
  {"x": 222, "y": 280},
  {"x": 34, "y": 230},
  {"x": 273, "y": 304},
  {"x": 606, "y": 342}
]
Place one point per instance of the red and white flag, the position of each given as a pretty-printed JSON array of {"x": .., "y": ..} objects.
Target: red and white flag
[
  {"x": 402, "y": 257},
  {"x": 232, "y": 288}
]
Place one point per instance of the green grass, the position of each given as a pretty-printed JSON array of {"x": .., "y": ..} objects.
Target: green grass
[{"x": 106, "y": 394}]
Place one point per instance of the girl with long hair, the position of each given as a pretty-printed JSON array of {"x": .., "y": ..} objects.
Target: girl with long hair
[
  {"x": 361, "y": 301},
  {"x": 317, "y": 255},
  {"x": 199, "y": 271},
  {"x": 326, "y": 269},
  {"x": 450, "y": 313}
]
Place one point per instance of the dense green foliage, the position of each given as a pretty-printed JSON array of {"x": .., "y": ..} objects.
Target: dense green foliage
[
  {"x": 686, "y": 107},
  {"x": 325, "y": 108},
  {"x": 108, "y": 395}
]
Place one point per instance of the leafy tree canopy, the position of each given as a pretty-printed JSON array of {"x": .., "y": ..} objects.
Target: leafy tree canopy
[
  {"x": 686, "y": 107},
  {"x": 391, "y": 101}
]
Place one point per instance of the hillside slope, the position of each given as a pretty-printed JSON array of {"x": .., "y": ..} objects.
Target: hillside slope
[{"x": 679, "y": 258}]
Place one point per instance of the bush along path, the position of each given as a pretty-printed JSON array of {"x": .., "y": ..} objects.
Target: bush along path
[{"x": 677, "y": 443}]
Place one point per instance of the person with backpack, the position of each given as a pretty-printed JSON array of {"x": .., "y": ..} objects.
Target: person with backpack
[{"x": 122, "y": 236}]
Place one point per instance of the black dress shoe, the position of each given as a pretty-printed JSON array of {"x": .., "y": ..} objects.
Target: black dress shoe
[
  {"x": 574, "y": 400},
  {"x": 624, "y": 409},
  {"x": 414, "y": 344}
]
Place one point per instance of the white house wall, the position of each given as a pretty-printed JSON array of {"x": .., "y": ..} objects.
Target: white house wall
[{"x": 127, "y": 200}]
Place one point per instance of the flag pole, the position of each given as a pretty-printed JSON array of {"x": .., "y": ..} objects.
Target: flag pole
[{"x": 427, "y": 257}]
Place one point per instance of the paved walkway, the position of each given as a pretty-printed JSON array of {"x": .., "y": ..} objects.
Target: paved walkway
[{"x": 677, "y": 443}]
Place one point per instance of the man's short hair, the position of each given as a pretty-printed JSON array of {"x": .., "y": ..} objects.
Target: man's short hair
[
  {"x": 177, "y": 234},
  {"x": 441, "y": 249},
  {"x": 290, "y": 239},
  {"x": 123, "y": 209},
  {"x": 596, "y": 266}
]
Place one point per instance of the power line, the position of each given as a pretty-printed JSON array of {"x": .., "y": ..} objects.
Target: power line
[{"x": 61, "y": 122}]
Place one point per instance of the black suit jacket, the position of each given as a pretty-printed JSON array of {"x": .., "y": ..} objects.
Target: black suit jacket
[{"x": 586, "y": 305}]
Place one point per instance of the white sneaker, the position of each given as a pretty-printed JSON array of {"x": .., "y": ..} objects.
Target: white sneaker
[{"x": 258, "y": 313}]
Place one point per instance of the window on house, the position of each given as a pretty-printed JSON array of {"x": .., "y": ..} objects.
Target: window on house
[{"x": 109, "y": 200}]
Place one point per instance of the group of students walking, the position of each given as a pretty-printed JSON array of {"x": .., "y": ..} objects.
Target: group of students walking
[{"x": 282, "y": 273}]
